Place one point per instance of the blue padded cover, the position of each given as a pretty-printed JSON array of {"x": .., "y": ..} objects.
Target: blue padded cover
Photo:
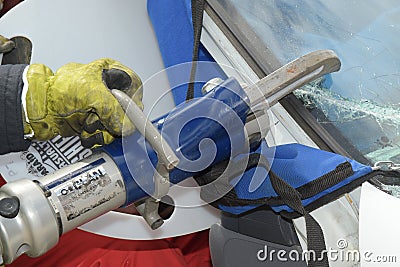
[
  {"x": 297, "y": 165},
  {"x": 172, "y": 23}
]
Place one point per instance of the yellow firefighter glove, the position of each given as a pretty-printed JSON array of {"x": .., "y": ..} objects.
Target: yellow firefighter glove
[
  {"x": 6, "y": 45},
  {"x": 77, "y": 100}
]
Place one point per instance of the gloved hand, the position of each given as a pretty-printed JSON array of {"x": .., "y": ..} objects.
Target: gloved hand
[
  {"x": 77, "y": 100},
  {"x": 6, "y": 45}
]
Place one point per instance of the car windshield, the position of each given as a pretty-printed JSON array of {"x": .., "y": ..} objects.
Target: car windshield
[{"x": 362, "y": 100}]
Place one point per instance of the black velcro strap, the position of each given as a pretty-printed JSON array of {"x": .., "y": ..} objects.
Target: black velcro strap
[{"x": 197, "y": 20}]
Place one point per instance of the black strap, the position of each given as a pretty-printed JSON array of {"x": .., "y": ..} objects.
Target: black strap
[
  {"x": 340, "y": 173},
  {"x": 197, "y": 20},
  {"x": 315, "y": 236},
  {"x": 216, "y": 187}
]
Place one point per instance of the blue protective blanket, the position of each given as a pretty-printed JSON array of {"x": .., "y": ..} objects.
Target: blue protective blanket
[
  {"x": 297, "y": 165},
  {"x": 172, "y": 25}
]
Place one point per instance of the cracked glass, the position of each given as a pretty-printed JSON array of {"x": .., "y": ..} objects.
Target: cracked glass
[{"x": 362, "y": 101}]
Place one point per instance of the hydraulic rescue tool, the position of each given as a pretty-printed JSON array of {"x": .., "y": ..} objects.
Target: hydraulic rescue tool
[{"x": 140, "y": 168}]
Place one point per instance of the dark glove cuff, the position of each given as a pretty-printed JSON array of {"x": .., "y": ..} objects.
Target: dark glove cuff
[{"x": 11, "y": 124}]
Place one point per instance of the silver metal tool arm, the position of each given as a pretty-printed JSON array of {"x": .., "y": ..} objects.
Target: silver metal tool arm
[
  {"x": 270, "y": 89},
  {"x": 293, "y": 75},
  {"x": 167, "y": 160},
  {"x": 164, "y": 152}
]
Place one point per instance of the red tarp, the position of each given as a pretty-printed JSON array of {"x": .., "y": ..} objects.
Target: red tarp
[
  {"x": 80, "y": 248},
  {"x": 8, "y": 4}
]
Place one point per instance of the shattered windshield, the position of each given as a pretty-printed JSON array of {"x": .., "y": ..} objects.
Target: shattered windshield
[{"x": 362, "y": 100}]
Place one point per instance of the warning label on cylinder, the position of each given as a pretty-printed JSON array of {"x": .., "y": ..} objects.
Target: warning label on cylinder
[{"x": 86, "y": 191}]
